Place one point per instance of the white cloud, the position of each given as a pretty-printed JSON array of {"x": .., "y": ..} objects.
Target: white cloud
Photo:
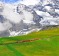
[
  {"x": 5, "y": 26},
  {"x": 14, "y": 17},
  {"x": 30, "y": 2},
  {"x": 28, "y": 17},
  {"x": 10, "y": 15}
]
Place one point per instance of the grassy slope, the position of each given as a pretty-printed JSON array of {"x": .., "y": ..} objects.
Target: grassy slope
[{"x": 47, "y": 45}]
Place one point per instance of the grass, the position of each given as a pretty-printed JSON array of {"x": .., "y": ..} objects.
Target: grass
[{"x": 47, "y": 45}]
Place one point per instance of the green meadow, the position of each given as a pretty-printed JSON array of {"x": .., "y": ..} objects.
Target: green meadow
[{"x": 44, "y": 43}]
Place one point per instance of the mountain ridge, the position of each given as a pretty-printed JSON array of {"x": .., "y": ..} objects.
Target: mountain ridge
[{"x": 21, "y": 18}]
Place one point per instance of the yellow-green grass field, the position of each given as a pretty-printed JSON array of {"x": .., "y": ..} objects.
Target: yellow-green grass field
[{"x": 47, "y": 44}]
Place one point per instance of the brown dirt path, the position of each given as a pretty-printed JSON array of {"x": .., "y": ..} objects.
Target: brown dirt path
[{"x": 21, "y": 41}]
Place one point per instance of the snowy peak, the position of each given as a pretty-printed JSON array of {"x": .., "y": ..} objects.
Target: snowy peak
[{"x": 26, "y": 16}]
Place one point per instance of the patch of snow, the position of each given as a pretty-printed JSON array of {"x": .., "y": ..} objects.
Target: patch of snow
[
  {"x": 53, "y": 23},
  {"x": 57, "y": 11}
]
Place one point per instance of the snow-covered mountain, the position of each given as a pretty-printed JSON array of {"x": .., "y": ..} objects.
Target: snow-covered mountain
[{"x": 23, "y": 17}]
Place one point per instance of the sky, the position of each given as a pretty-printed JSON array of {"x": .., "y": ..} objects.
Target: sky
[
  {"x": 26, "y": 2},
  {"x": 9, "y": 1}
]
